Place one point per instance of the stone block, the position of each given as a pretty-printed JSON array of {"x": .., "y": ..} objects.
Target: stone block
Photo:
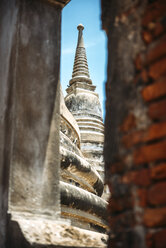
[
  {"x": 133, "y": 138},
  {"x": 149, "y": 240},
  {"x": 154, "y": 132},
  {"x": 157, "y": 51},
  {"x": 156, "y": 195},
  {"x": 160, "y": 239},
  {"x": 150, "y": 153},
  {"x": 157, "y": 110},
  {"x": 153, "y": 12},
  {"x": 120, "y": 204},
  {"x": 123, "y": 220},
  {"x": 159, "y": 171},
  {"x": 155, "y": 217},
  {"x": 157, "y": 69},
  {"x": 118, "y": 167},
  {"x": 140, "y": 177},
  {"x": 147, "y": 37},
  {"x": 155, "y": 90}
]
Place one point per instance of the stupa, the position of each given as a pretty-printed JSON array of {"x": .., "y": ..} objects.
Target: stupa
[
  {"x": 83, "y": 102},
  {"x": 81, "y": 149}
]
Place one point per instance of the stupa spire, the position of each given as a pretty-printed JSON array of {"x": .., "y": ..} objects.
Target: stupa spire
[
  {"x": 80, "y": 68},
  {"x": 80, "y": 42}
]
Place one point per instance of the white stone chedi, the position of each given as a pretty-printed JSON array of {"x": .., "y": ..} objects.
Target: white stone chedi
[
  {"x": 83, "y": 102},
  {"x": 81, "y": 149}
]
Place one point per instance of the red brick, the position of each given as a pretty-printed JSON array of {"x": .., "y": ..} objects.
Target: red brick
[
  {"x": 129, "y": 123},
  {"x": 123, "y": 220},
  {"x": 156, "y": 52},
  {"x": 140, "y": 178},
  {"x": 151, "y": 26},
  {"x": 150, "y": 153},
  {"x": 142, "y": 197},
  {"x": 154, "y": 91},
  {"x": 156, "y": 239},
  {"x": 154, "y": 11},
  {"x": 155, "y": 217},
  {"x": 154, "y": 132},
  {"x": 147, "y": 37},
  {"x": 136, "y": 137},
  {"x": 159, "y": 172},
  {"x": 117, "y": 167},
  {"x": 149, "y": 240},
  {"x": 154, "y": 29},
  {"x": 157, "y": 110},
  {"x": 115, "y": 205},
  {"x": 144, "y": 76},
  {"x": 120, "y": 204},
  {"x": 157, "y": 194},
  {"x": 158, "y": 69},
  {"x": 160, "y": 239},
  {"x": 159, "y": 29}
]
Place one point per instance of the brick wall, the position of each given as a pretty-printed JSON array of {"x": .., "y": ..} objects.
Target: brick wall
[{"x": 135, "y": 138}]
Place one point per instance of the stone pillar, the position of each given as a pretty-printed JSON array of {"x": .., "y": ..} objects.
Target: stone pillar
[
  {"x": 29, "y": 76},
  {"x": 135, "y": 127}
]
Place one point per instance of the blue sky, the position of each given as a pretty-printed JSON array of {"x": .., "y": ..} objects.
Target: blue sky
[{"x": 86, "y": 12}]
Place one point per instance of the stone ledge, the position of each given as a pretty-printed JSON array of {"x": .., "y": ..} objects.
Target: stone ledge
[{"x": 45, "y": 232}]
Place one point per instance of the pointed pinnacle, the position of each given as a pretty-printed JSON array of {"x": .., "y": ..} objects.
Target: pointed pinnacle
[
  {"x": 80, "y": 68},
  {"x": 80, "y": 27},
  {"x": 80, "y": 42}
]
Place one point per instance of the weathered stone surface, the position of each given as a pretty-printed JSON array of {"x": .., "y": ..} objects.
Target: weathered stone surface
[
  {"x": 29, "y": 75},
  {"x": 70, "y": 127},
  {"x": 80, "y": 167},
  {"x": 40, "y": 232},
  {"x": 7, "y": 40},
  {"x": 33, "y": 111},
  {"x": 73, "y": 163},
  {"x": 81, "y": 199},
  {"x": 83, "y": 208}
]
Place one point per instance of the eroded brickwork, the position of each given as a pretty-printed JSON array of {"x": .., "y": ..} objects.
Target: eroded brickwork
[{"x": 135, "y": 142}]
